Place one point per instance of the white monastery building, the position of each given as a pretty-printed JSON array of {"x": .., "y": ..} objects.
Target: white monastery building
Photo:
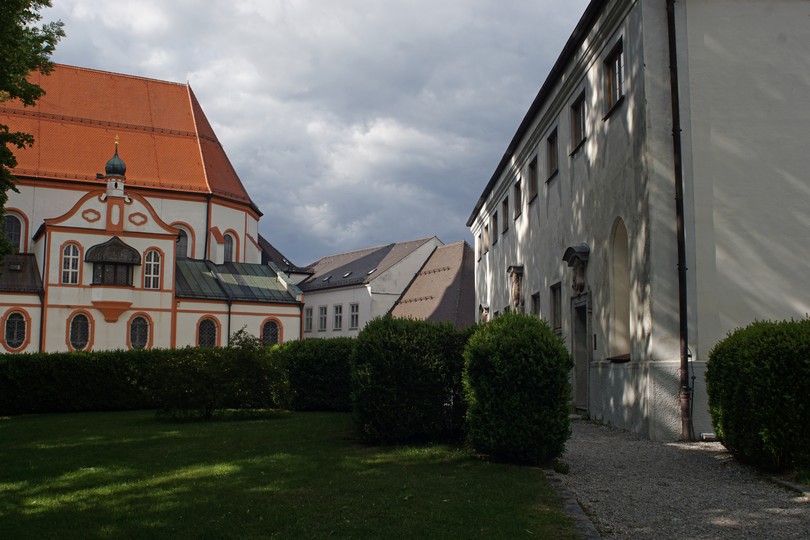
[
  {"x": 160, "y": 251},
  {"x": 655, "y": 197}
]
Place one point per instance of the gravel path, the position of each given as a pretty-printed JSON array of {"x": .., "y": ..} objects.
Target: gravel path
[{"x": 636, "y": 488}]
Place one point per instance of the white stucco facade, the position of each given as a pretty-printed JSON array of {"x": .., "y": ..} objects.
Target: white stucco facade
[{"x": 745, "y": 119}]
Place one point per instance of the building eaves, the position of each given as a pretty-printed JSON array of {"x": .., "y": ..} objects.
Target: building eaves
[{"x": 583, "y": 27}]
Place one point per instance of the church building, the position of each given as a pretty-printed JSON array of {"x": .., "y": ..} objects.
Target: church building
[{"x": 131, "y": 226}]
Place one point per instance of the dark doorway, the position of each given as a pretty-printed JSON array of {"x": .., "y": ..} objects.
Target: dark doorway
[{"x": 581, "y": 356}]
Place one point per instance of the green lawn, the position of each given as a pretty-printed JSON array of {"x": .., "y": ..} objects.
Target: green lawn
[{"x": 293, "y": 475}]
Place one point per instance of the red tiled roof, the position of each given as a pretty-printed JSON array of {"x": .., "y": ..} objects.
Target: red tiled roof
[{"x": 165, "y": 138}]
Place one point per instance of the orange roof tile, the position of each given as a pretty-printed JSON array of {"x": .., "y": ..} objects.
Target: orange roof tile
[{"x": 166, "y": 140}]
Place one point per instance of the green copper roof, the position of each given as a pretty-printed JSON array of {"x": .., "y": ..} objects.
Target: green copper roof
[{"x": 240, "y": 282}]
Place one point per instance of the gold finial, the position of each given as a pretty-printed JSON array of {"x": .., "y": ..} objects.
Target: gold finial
[{"x": 116, "y": 144}]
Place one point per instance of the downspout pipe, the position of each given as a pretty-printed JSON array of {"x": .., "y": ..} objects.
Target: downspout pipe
[
  {"x": 207, "y": 227},
  {"x": 685, "y": 394}
]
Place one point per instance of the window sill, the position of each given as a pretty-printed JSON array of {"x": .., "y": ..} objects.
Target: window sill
[
  {"x": 619, "y": 359},
  {"x": 553, "y": 175},
  {"x": 579, "y": 145},
  {"x": 532, "y": 199},
  {"x": 613, "y": 108}
]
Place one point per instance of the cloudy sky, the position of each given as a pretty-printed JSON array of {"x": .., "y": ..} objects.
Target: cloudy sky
[{"x": 352, "y": 123}]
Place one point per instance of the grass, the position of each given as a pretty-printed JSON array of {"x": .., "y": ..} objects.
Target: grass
[{"x": 292, "y": 475}]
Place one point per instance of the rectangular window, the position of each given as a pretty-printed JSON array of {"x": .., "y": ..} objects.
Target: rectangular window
[
  {"x": 556, "y": 308},
  {"x": 354, "y": 316},
  {"x": 337, "y": 311},
  {"x": 70, "y": 264},
  {"x": 578, "y": 123},
  {"x": 480, "y": 245},
  {"x": 486, "y": 238},
  {"x": 494, "y": 228},
  {"x": 321, "y": 318},
  {"x": 505, "y": 214},
  {"x": 151, "y": 270},
  {"x": 517, "y": 196},
  {"x": 553, "y": 153},
  {"x": 532, "y": 179},
  {"x": 614, "y": 77},
  {"x": 536, "y": 304},
  {"x": 308, "y": 319}
]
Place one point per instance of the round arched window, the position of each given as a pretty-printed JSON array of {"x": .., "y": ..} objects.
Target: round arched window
[
  {"x": 207, "y": 333},
  {"x": 79, "y": 332},
  {"x": 15, "y": 330},
  {"x": 270, "y": 333},
  {"x": 139, "y": 332}
]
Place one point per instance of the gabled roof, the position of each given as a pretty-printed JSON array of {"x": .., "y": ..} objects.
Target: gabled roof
[
  {"x": 271, "y": 254},
  {"x": 444, "y": 289},
  {"x": 239, "y": 282},
  {"x": 165, "y": 138},
  {"x": 19, "y": 273},
  {"x": 358, "y": 267}
]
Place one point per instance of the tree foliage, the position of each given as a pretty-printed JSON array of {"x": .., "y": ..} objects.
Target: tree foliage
[{"x": 24, "y": 47}]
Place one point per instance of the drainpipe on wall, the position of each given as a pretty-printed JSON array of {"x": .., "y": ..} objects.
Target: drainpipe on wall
[
  {"x": 685, "y": 394},
  {"x": 230, "y": 303},
  {"x": 207, "y": 227}
]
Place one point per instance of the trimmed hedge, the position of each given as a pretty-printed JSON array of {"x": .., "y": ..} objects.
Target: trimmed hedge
[
  {"x": 319, "y": 371},
  {"x": 179, "y": 382},
  {"x": 516, "y": 380},
  {"x": 758, "y": 382},
  {"x": 406, "y": 381},
  {"x": 75, "y": 381}
]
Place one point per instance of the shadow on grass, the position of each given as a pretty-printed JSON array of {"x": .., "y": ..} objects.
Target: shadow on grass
[{"x": 125, "y": 475}]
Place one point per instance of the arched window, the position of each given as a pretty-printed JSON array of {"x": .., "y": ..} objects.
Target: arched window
[
  {"x": 228, "y": 247},
  {"x": 182, "y": 244},
  {"x": 70, "y": 264},
  {"x": 139, "y": 332},
  {"x": 151, "y": 270},
  {"x": 269, "y": 333},
  {"x": 207, "y": 333},
  {"x": 620, "y": 294},
  {"x": 12, "y": 231},
  {"x": 15, "y": 330},
  {"x": 79, "y": 332}
]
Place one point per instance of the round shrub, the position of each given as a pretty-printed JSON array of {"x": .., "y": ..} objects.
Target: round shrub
[
  {"x": 319, "y": 371},
  {"x": 406, "y": 381},
  {"x": 758, "y": 382},
  {"x": 516, "y": 380}
]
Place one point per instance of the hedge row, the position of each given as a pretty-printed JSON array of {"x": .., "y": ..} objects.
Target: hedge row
[
  {"x": 179, "y": 382},
  {"x": 758, "y": 382},
  {"x": 319, "y": 372}
]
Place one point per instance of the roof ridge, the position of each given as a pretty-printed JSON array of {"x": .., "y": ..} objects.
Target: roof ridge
[
  {"x": 189, "y": 94},
  {"x": 117, "y": 74},
  {"x": 373, "y": 248}
]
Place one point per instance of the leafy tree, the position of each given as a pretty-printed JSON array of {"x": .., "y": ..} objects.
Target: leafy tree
[{"x": 24, "y": 47}]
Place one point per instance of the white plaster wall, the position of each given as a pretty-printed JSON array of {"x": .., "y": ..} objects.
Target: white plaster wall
[
  {"x": 748, "y": 67},
  {"x": 624, "y": 170},
  {"x": 345, "y": 296},
  {"x": 192, "y": 213}
]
